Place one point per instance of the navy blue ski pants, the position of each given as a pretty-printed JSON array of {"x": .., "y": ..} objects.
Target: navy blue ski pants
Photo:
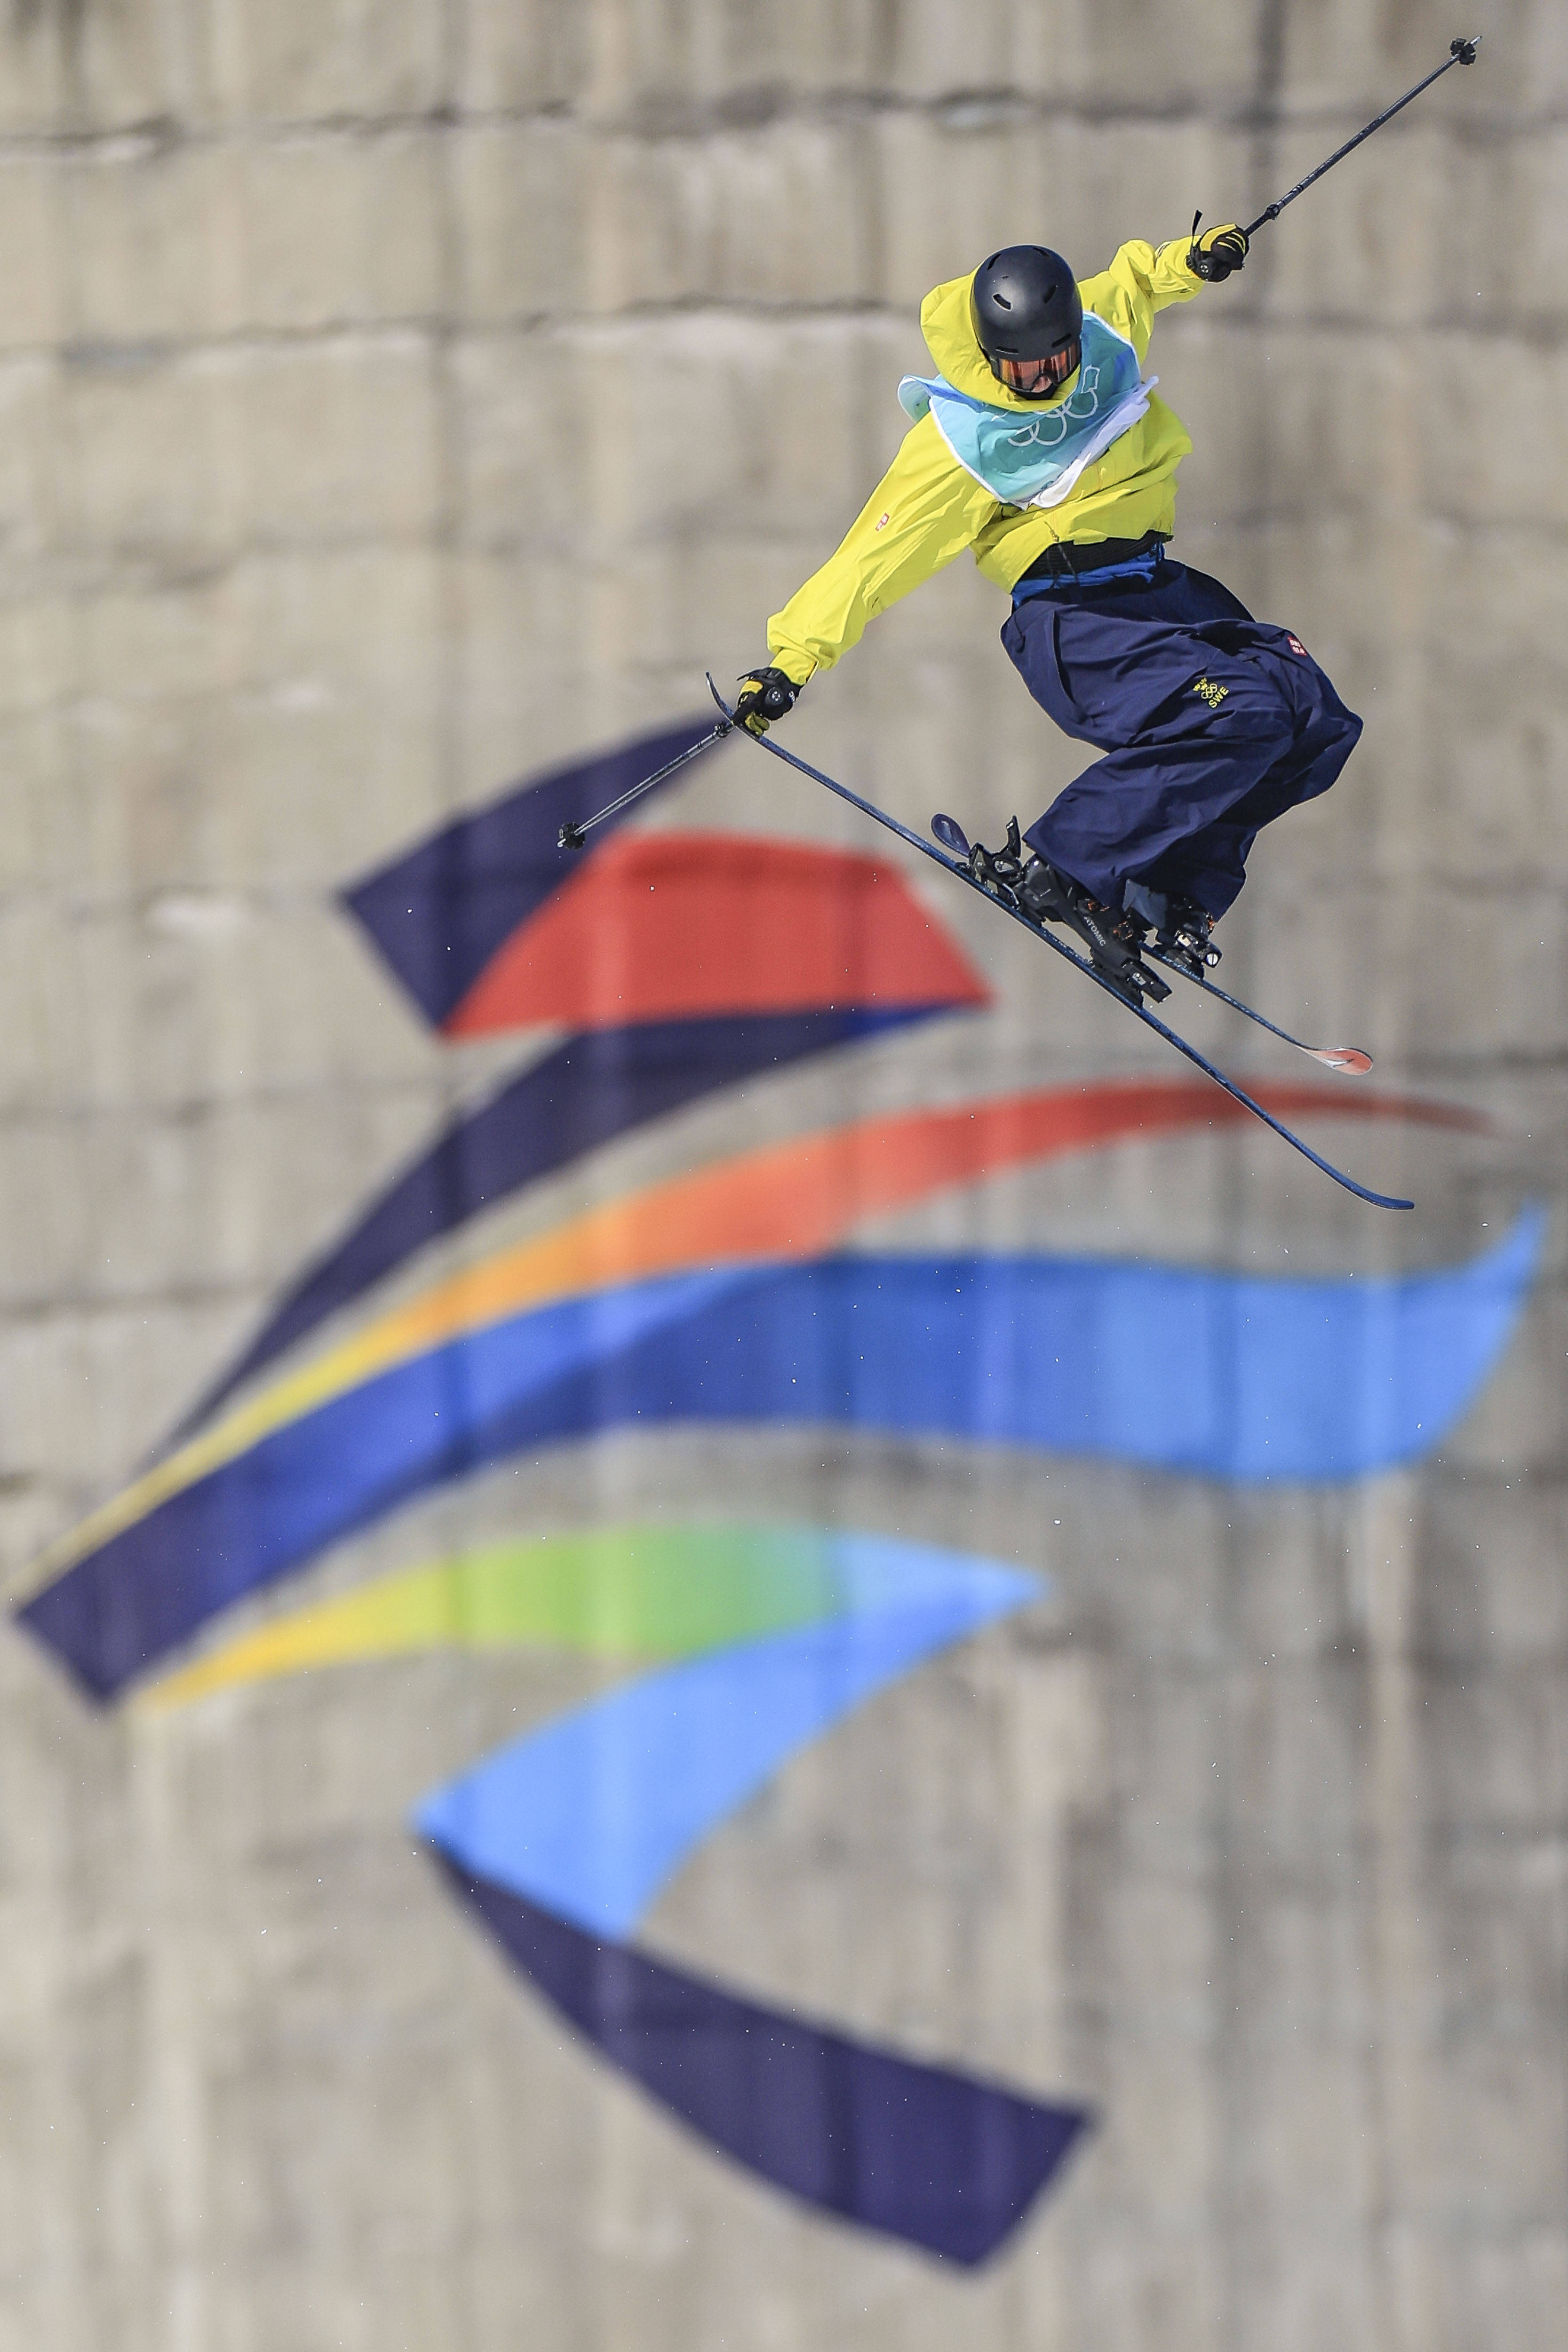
[{"x": 1212, "y": 724}]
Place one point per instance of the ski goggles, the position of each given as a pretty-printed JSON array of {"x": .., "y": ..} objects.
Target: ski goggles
[{"x": 1038, "y": 379}]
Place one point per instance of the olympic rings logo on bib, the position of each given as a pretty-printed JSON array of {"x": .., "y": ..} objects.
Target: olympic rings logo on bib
[{"x": 1034, "y": 434}]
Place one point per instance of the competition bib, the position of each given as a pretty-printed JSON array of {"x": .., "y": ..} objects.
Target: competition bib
[{"x": 1033, "y": 460}]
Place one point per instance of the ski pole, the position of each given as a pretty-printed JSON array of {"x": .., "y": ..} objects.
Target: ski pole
[
  {"x": 571, "y": 835},
  {"x": 1461, "y": 52}
]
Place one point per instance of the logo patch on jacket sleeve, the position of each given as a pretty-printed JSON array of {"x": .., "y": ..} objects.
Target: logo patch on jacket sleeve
[
  {"x": 1212, "y": 694},
  {"x": 1296, "y": 646}
]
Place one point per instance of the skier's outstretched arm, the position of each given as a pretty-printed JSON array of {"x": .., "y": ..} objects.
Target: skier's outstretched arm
[
  {"x": 925, "y": 511},
  {"x": 920, "y": 516}
]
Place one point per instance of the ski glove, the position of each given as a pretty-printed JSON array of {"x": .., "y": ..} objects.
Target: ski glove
[
  {"x": 766, "y": 695},
  {"x": 1218, "y": 251}
]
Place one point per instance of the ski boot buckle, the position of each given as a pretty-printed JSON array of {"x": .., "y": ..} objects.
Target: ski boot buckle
[{"x": 1185, "y": 939}]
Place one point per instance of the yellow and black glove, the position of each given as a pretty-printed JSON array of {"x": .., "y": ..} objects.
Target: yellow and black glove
[
  {"x": 1218, "y": 252},
  {"x": 766, "y": 694}
]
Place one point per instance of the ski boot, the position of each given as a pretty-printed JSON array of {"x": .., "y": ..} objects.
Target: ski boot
[
  {"x": 1185, "y": 935},
  {"x": 1114, "y": 941}
]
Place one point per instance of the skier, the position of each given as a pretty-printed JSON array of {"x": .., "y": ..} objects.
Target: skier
[{"x": 1039, "y": 443}]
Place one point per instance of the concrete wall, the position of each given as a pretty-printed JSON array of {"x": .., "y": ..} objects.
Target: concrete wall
[{"x": 396, "y": 400}]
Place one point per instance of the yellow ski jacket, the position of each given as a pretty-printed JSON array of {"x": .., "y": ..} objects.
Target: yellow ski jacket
[{"x": 926, "y": 508}]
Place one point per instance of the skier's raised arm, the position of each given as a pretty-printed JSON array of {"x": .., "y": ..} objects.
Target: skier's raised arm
[{"x": 1143, "y": 279}]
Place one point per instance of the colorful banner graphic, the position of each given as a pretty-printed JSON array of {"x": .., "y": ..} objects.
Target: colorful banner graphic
[
  {"x": 919, "y": 2152},
  {"x": 640, "y": 1594},
  {"x": 672, "y": 926},
  {"x": 684, "y": 962},
  {"x": 564, "y": 1838},
  {"x": 589, "y": 1092},
  {"x": 731, "y": 1296},
  {"x": 1178, "y": 1369},
  {"x": 593, "y": 1815}
]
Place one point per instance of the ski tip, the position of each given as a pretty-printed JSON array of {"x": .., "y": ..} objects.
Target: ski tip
[
  {"x": 1349, "y": 1060},
  {"x": 951, "y": 834}
]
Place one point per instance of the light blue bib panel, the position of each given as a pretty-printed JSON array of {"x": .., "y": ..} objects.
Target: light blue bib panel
[{"x": 1033, "y": 461}]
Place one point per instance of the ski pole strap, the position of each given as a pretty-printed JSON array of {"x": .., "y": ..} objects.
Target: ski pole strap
[{"x": 1134, "y": 567}]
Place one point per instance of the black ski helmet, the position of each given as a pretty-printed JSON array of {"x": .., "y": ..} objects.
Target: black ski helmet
[{"x": 1024, "y": 304}]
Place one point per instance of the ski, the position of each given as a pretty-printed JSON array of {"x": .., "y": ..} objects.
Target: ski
[
  {"x": 1349, "y": 1060},
  {"x": 954, "y": 865}
]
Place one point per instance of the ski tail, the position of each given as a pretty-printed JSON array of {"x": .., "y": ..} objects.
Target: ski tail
[{"x": 1351, "y": 1061}]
